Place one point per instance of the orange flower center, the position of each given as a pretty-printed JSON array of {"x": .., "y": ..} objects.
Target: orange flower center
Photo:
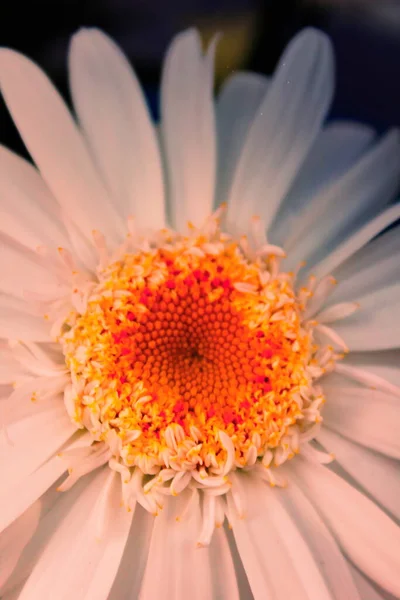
[{"x": 184, "y": 347}]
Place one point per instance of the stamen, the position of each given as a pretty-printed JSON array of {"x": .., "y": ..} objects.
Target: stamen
[{"x": 190, "y": 359}]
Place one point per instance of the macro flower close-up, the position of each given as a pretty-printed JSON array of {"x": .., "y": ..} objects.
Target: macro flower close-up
[{"x": 199, "y": 334}]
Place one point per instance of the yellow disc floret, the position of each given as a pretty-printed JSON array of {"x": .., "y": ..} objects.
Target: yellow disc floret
[{"x": 190, "y": 355}]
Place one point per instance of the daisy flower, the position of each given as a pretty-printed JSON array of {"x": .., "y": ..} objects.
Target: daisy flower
[{"x": 200, "y": 337}]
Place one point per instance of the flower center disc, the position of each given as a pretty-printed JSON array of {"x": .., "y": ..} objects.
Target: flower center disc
[{"x": 183, "y": 347}]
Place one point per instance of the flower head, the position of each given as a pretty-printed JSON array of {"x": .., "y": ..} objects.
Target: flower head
[{"x": 196, "y": 323}]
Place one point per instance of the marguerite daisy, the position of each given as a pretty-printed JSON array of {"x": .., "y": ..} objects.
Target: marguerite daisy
[{"x": 180, "y": 412}]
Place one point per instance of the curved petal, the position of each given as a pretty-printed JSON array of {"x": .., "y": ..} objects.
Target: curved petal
[
  {"x": 237, "y": 106},
  {"x": 32, "y": 440},
  {"x": 366, "y": 589},
  {"x": 29, "y": 213},
  {"x": 321, "y": 543},
  {"x": 288, "y": 570},
  {"x": 367, "y": 535},
  {"x": 24, "y": 491},
  {"x": 174, "y": 556},
  {"x": 385, "y": 364},
  {"x": 14, "y": 539},
  {"x": 56, "y": 145},
  {"x": 369, "y": 417},
  {"x": 377, "y": 474},
  {"x": 188, "y": 129},
  {"x": 112, "y": 111},
  {"x": 375, "y": 326},
  {"x": 373, "y": 267},
  {"x": 55, "y": 506},
  {"x": 286, "y": 125},
  {"x": 129, "y": 577},
  {"x": 18, "y": 324},
  {"x": 21, "y": 271},
  {"x": 338, "y": 146},
  {"x": 356, "y": 196},
  {"x": 356, "y": 241},
  {"x": 83, "y": 555}
]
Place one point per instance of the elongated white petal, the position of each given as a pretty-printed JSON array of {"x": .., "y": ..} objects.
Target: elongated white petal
[
  {"x": 367, "y": 378},
  {"x": 129, "y": 577},
  {"x": 367, "y": 535},
  {"x": 377, "y": 474},
  {"x": 369, "y": 417},
  {"x": 356, "y": 241},
  {"x": 373, "y": 267},
  {"x": 80, "y": 555},
  {"x": 237, "y": 106},
  {"x": 188, "y": 129},
  {"x": 10, "y": 368},
  {"x": 24, "y": 491},
  {"x": 371, "y": 184},
  {"x": 289, "y": 571},
  {"x": 21, "y": 270},
  {"x": 223, "y": 574},
  {"x": 170, "y": 541},
  {"x": 29, "y": 213},
  {"x": 55, "y": 507},
  {"x": 15, "y": 324},
  {"x": 31, "y": 397},
  {"x": 112, "y": 111},
  {"x": 336, "y": 312},
  {"x": 375, "y": 325},
  {"x": 321, "y": 543},
  {"x": 31, "y": 441},
  {"x": 56, "y": 145},
  {"x": 14, "y": 539},
  {"x": 366, "y": 590},
  {"x": 338, "y": 146},
  {"x": 287, "y": 123},
  {"x": 384, "y": 364}
]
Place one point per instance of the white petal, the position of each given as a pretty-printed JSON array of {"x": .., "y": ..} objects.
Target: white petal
[
  {"x": 334, "y": 211},
  {"x": 23, "y": 491},
  {"x": 34, "y": 395},
  {"x": 323, "y": 546},
  {"x": 55, "y": 507},
  {"x": 81, "y": 557},
  {"x": 366, "y": 590},
  {"x": 338, "y": 146},
  {"x": 276, "y": 558},
  {"x": 369, "y": 417},
  {"x": 21, "y": 270},
  {"x": 287, "y": 123},
  {"x": 375, "y": 326},
  {"x": 13, "y": 595},
  {"x": 112, "y": 111},
  {"x": 10, "y": 368},
  {"x": 356, "y": 241},
  {"x": 56, "y": 145},
  {"x": 188, "y": 129},
  {"x": 32, "y": 440},
  {"x": 367, "y": 535},
  {"x": 377, "y": 474},
  {"x": 237, "y": 106},
  {"x": 128, "y": 580},
  {"x": 385, "y": 364},
  {"x": 223, "y": 573},
  {"x": 14, "y": 539},
  {"x": 29, "y": 213},
  {"x": 19, "y": 324},
  {"x": 174, "y": 562},
  {"x": 375, "y": 266}
]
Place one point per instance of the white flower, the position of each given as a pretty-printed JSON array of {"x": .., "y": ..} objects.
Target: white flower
[{"x": 190, "y": 370}]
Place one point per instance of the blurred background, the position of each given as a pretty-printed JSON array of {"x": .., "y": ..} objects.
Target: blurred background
[{"x": 365, "y": 35}]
